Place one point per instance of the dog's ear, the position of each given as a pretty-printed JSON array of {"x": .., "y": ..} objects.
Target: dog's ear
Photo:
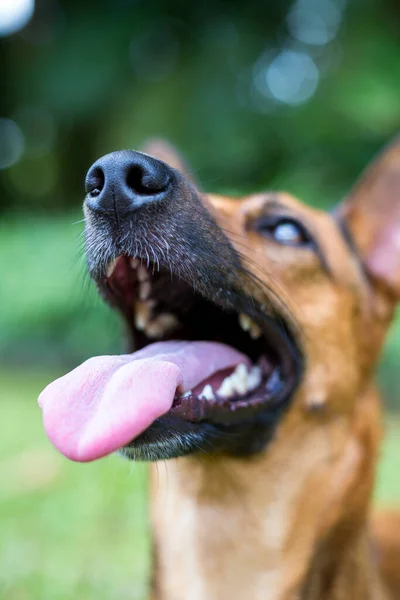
[
  {"x": 371, "y": 214},
  {"x": 165, "y": 151}
]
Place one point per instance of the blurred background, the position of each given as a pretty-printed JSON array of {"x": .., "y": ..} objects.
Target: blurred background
[{"x": 295, "y": 94}]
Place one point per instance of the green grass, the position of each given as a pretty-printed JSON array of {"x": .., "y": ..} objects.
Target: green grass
[
  {"x": 388, "y": 480},
  {"x": 80, "y": 531},
  {"x": 67, "y": 530}
]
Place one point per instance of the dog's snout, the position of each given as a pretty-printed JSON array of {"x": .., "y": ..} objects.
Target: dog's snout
[{"x": 122, "y": 182}]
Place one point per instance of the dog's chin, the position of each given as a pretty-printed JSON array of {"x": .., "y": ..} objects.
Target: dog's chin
[
  {"x": 233, "y": 412},
  {"x": 173, "y": 437}
]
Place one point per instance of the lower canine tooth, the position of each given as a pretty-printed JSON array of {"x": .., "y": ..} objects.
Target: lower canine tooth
[{"x": 161, "y": 325}]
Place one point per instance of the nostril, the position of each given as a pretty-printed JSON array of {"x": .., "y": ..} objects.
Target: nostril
[
  {"x": 95, "y": 182},
  {"x": 146, "y": 182}
]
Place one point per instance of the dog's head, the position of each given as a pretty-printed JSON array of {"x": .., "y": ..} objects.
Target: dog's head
[
  {"x": 305, "y": 295},
  {"x": 291, "y": 304}
]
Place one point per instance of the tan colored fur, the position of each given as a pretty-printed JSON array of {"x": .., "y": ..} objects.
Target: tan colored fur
[{"x": 292, "y": 523}]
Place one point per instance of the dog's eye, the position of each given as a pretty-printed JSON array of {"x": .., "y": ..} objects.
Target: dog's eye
[{"x": 284, "y": 230}]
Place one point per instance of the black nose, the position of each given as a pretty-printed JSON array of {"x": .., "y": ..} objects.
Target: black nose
[{"x": 123, "y": 181}]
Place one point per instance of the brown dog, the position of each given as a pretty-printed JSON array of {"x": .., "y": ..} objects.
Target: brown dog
[{"x": 270, "y": 497}]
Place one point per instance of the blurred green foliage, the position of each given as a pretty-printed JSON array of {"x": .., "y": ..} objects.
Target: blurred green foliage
[
  {"x": 67, "y": 530},
  {"x": 86, "y": 78}
]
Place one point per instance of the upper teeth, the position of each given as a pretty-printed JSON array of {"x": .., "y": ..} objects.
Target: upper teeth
[
  {"x": 165, "y": 322},
  {"x": 248, "y": 325},
  {"x": 240, "y": 381},
  {"x": 142, "y": 314},
  {"x": 134, "y": 262},
  {"x": 142, "y": 273},
  {"x": 111, "y": 266},
  {"x": 161, "y": 325},
  {"x": 144, "y": 290}
]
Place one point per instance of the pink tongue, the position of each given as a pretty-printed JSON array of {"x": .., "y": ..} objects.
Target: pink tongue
[{"x": 109, "y": 400}]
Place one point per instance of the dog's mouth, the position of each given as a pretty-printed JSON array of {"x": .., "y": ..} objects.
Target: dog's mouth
[
  {"x": 159, "y": 308},
  {"x": 207, "y": 373}
]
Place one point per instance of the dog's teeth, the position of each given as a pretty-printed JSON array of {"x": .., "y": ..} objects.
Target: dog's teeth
[
  {"x": 255, "y": 331},
  {"x": 144, "y": 290},
  {"x": 225, "y": 390},
  {"x": 236, "y": 383},
  {"x": 245, "y": 322},
  {"x": 142, "y": 273},
  {"x": 161, "y": 325},
  {"x": 254, "y": 378},
  {"x": 187, "y": 394},
  {"x": 207, "y": 393},
  {"x": 111, "y": 266},
  {"x": 248, "y": 325},
  {"x": 142, "y": 314},
  {"x": 241, "y": 381},
  {"x": 134, "y": 262}
]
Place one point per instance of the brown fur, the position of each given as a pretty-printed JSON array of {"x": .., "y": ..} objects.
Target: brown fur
[{"x": 292, "y": 522}]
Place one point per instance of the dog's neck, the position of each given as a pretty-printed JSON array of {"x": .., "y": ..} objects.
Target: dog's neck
[{"x": 273, "y": 526}]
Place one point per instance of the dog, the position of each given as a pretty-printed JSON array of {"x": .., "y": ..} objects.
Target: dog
[{"x": 257, "y": 324}]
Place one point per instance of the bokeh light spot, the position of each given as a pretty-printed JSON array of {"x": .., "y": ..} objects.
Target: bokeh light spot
[
  {"x": 314, "y": 22},
  {"x": 14, "y": 15},
  {"x": 292, "y": 77}
]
